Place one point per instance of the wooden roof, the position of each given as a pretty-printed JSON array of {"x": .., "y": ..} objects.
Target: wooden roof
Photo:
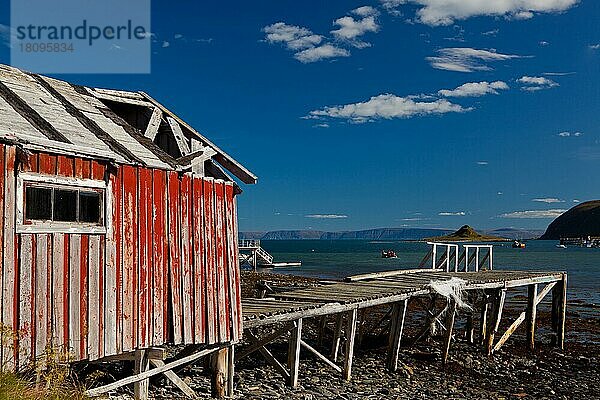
[{"x": 46, "y": 114}]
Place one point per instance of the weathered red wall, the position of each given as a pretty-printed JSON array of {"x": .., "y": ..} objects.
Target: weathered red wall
[{"x": 166, "y": 271}]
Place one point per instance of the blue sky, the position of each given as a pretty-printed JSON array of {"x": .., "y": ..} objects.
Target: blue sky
[{"x": 361, "y": 114}]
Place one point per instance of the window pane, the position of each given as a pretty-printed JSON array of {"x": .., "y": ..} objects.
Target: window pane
[
  {"x": 65, "y": 205},
  {"x": 38, "y": 203},
  {"x": 89, "y": 207}
]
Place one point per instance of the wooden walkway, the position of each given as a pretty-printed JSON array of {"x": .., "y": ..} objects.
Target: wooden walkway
[{"x": 285, "y": 312}]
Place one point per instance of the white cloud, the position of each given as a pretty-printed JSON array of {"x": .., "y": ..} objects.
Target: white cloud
[
  {"x": 535, "y": 83},
  {"x": 466, "y": 59},
  {"x": 499, "y": 193},
  {"x": 320, "y": 53},
  {"x": 391, "y": 6},
  {"x": 350, "y": 29},
  {"x": 178, "y": 36},
  {"x": 165, "y": 44},
  {"x": 452, "y": 214},
  {"x": 534, "y": 214},
  {"x": 558, "y": 73},
  {"x": 326, "y": 216},
  {"x": 482, "y": 163},
  {"x": 493, "y": 32},
  {"x": 576, "y": 201},
  {"x": 446, "y": 12},
  {"x": 475, "y": 89},
  {"x": 387, "y": 106},
  {"x": 569, "y": 134},
  {"x": 548, "y": 200},
  {"x": 292, "y": 36},
  {"x": 321, "y": 125},
  {"x": 544, "y": 43},
  {"x": 595, "y": 46}
]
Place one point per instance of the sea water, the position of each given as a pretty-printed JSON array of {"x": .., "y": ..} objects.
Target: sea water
[{"x": 340, "y": 258}]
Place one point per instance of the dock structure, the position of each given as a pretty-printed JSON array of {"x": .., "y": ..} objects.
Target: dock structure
[
  {"x": 252, "y": 254},
  {"x": 344, "y": 302}
]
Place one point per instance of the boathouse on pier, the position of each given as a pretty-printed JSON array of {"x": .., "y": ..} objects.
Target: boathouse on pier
[{"x": 119, "y": 228}]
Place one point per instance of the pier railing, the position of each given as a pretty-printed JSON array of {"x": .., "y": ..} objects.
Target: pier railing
[
  {"x": 447, "y": 256},
  {"x": 249, "y": 243}
]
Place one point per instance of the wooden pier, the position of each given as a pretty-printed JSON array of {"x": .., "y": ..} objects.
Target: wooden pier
[{"x": 486, "y": 290}]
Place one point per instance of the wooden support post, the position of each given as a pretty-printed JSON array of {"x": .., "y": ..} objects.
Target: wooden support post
[
  {"x": 230, "y": 370},
  {"x": 531, "y": 315},
  {"x": 492, "y": 329},
  {"x": 294, "y": 353},
  {"x": 559, "y": 309},
  {"x": 219, "y": 374},
  {"x": 350, "y": 338},
  {"x": 396, "y": 329},
  {"x": 433, "y": 321},
  {"x": 337, "y": 337},
  {"x": 360, "y": 326},
  {"x": 140, "y": 388},
  {"x": 321, "y": 333},
  {"x": 470, "y": 329},
  {"x": 449, "y": 327},
  {"x": 483, "y": 320}
]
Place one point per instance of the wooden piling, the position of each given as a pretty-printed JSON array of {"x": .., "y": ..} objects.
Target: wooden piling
[
  {"x": 219, "y": 373},
  {"x": 230, "y": 370},
  {"x": 350, "y": 338},
  {"x": 494, "y": 323},
  {"x": 531, "y": 315},
  {"x": 337, "y": 337},
  {"x": 449, "y": 327},
  {"x": 294, "y": 352},
  {"x": 559, "y": 309},
  {"x": 483, "y": 319},
  {"x": 396, "y": 329},
  {"x": 140, "y": 388}
]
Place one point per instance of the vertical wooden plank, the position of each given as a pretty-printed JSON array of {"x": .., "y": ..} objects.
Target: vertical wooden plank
[
  {"x": 59, "y": 287},
  {"x": 350, "y": 338},
  {"x": 186, "y": 259},
  {"x": 559, "y": 307},
  {"x": 145, "y": 254},
  {"x": 142, "y": 364},
  {"x": 531, "y": 315},
  {"x": 199, "y": 270},
  {"x": 232, "y": 263},
  {"x": 26, "y": 300},
  {"x": 398, "y": 317},
  {"x": 42, "y": 293},
  {"x": 209, "y": 261},
  {"x": 130, "y": 257},
  {"x": 174, "y": 205},
  {"x": 47, "y": 164},
  {"x": 111, "y": 264},
  {"x": 223, "y": 314},
  {"x": 95, "y": 296},
  {"x": 83, "y": 296},
  {"x": 75, "y": 296},
  {"x": 3, "y": 205},
  {"x": 237, "y": 268},
  {"x": 65, "y": 166},
  {"x": 11, "y": 262},
  {"x": 159, "y": 243},
  {"x": 294, "y": 351},
  {"x": 97, "y": 171}
]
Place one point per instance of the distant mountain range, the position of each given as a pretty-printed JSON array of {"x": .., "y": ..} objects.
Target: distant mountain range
[{"x": 382, "y": 234}]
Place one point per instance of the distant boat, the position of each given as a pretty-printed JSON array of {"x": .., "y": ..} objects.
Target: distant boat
[
  {"x": 561, "y": 246},
  {"x": 388, "y": 254},
  {"x": 518, "y": 245}
]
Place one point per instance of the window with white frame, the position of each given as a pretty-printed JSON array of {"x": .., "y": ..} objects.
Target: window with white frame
[{"x": 57, "y": 204}]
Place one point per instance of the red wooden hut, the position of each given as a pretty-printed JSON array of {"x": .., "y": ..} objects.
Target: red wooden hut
[{"x": 119, "y": 228}]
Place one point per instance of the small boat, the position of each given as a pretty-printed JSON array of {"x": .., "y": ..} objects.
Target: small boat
[
  {"x": 561, "y": 246},
  {"x": 388, "y": 254},
  {"x": 518, "y": 245}
]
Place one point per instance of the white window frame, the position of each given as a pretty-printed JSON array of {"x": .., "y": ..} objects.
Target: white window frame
[{"x": 58, "y": 226}]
